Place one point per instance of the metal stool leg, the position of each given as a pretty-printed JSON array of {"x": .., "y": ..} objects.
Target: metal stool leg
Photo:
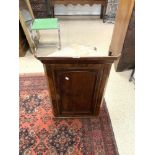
[{"x": 59, "y": 39}]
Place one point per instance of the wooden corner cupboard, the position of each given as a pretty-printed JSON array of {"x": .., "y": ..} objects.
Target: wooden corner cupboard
[{"x": 77, "y": 85}]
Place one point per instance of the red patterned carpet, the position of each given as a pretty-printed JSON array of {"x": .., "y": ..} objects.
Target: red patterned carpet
[{"x": 42, "y": 134}]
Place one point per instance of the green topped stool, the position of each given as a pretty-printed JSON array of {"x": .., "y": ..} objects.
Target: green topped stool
[{"x": 47, "y": 24}]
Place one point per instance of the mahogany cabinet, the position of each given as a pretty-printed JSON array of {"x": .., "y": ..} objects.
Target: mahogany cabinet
[{"x": 77, "y": 85}]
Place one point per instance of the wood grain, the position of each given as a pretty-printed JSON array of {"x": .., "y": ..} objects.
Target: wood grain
[{"x": 123, "y": 38}]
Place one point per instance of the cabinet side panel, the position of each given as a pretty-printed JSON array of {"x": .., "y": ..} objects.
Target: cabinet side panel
[
  {"x": 102, "y": 87},
  {"x": 52, "y": 91}
]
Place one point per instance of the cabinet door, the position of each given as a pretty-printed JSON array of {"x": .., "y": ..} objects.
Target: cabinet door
[{"x": 76, "y": 90}]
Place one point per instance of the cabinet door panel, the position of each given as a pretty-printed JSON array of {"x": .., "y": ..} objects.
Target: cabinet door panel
[{"x": 76, "y": 89}]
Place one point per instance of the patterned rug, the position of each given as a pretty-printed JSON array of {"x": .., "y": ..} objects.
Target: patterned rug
[{"x": 42, "y": 134}]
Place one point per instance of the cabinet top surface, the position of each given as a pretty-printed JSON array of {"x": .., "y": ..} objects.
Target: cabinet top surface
[{"x": 77, "y": 53}]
